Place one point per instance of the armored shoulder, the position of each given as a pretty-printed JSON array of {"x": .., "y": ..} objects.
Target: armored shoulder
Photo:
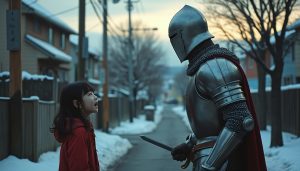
[{"x": 219, "y": 79}]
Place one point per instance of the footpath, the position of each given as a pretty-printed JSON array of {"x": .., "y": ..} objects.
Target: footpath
[{"x": 146, "y": 157}]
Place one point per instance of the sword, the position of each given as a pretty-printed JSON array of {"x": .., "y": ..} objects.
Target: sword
[{"x": 166, "y": 147}]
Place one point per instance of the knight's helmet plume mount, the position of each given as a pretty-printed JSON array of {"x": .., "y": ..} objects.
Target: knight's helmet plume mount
[{"x": 187, "y": 29}]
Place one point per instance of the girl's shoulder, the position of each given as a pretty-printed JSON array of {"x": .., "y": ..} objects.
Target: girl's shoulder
[{"x": 78, "y": 127}]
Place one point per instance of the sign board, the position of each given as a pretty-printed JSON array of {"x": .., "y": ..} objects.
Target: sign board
[{"x": 13, "y": 41}]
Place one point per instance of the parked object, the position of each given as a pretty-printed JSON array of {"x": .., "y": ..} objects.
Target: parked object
[{"x": 149, "y": 111}]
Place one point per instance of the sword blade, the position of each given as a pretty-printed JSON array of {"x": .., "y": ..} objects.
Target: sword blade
[{"x": 166, "y": 147}]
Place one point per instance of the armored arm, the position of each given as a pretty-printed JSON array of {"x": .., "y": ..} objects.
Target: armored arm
[{"x": 219, "y": 80}]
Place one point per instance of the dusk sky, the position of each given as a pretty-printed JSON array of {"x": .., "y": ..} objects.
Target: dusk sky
[{"x": 152, "y": 13}]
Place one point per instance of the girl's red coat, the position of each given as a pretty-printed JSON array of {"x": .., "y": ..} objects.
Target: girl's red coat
[{"x": 78, "y": 150}]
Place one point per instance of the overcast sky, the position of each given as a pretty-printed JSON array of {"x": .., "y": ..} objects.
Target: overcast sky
[{"x": 152, "y": 13}]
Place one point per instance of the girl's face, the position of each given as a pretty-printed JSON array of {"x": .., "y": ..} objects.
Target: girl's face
[{"x": 90, "y": 103}]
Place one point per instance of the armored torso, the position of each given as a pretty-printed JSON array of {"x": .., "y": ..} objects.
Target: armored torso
[{"x": 214, "y": 85}]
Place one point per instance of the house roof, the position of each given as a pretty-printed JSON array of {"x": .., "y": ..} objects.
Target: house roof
[
  {"x": 294, "y": 25},
  {"x": 40, "y": 11},
  {"x": 48, "y": 49},
  {"x": 287, "y": 34}
]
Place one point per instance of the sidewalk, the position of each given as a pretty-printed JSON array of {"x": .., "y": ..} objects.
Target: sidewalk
[{"x": 147, "y": 157}]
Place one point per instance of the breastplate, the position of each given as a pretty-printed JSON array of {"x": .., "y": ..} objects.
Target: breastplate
[{"x": 202, "y": 113}]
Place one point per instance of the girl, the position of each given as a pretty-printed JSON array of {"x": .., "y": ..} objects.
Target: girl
[{"x": 73, "y": 129}]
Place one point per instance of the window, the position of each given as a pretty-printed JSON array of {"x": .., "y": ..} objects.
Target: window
[
  {"x": 286, "y": 80},
  {"x": 62, "y": 41},
  {"x": 50, "y": 36},
  {"x": 37, "y": 25},
  {"x": 298, "y": 79}
]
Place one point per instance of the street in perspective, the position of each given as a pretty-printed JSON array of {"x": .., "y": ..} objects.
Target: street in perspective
[
  {"x": 139, "y": 85},
  {"x": 146, "y": 156}
]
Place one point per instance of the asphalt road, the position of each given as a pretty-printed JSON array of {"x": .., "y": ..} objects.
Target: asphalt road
[{"x": 147, "y": 157}]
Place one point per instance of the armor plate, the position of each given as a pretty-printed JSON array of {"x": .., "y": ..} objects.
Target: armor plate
[{"x": 208, "y": 83}]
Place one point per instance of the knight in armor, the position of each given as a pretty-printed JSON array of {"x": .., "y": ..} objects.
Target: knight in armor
[{"x": 226, "y": 135}]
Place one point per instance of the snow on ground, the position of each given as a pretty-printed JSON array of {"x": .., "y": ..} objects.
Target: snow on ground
[
  {"x": 109, "y": 147},
  {"x": 140, "y": 124},
  {"x": 278, "y": 159},
  {"x": 112, "y": 147}
]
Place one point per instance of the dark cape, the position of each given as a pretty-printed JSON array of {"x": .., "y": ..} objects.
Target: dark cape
[{"x": 251, "y": 147}]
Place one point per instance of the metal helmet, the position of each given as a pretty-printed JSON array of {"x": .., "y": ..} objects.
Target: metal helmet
[{"x": 187, "y": 29}]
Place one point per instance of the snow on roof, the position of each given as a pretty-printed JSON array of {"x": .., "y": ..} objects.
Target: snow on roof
[
  {"x": 123, "y": 91},
  {"x": 294, "y": 25},
  {"x": 49, "y": 49},
  {"x": 287, "y": 34},
  {"x": 94, "y": 81},
  {"x": 45, "y": 14}
]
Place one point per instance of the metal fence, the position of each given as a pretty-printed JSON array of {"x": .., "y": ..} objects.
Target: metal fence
[{"x": 290, "y": 110}]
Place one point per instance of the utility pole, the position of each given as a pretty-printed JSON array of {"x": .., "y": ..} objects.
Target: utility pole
[
  {"x": 130, "y": 62},
  {"x": 81, "y": 38},
  {"x": 15, "y": 84},
  {"x": 105, "y": 116}
]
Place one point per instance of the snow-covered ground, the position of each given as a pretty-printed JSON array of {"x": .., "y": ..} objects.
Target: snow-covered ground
[
  {"x": 112, "y": 147},
  {"x": 109, "y": 147}
]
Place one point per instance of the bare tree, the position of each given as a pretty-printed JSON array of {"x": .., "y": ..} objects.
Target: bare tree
[
  {"x": 148, "y": 57},
  {"x": 255, "y": 22},
  {"x": 181, "y": 81}
]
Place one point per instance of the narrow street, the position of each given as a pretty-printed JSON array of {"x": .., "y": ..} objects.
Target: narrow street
[{"x": 147, "y": 157}]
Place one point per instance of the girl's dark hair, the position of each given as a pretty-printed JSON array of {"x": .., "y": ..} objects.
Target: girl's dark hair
[{"x": 63, "y": 123}]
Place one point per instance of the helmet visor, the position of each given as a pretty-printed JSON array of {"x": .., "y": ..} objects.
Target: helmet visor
[{"x": 178, "y": 46}]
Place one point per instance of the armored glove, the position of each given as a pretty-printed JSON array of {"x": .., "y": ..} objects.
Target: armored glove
[{"x": 180, "y": 152}]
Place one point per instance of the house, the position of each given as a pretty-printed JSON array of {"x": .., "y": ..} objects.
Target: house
[
  {"x": 291, "y": 70},
  {"x": 45, "y": 45},
  {"x": 93, "y": 63}
]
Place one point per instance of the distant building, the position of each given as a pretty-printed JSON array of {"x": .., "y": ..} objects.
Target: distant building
[
  {"x": 45, "y": 45},
  {"x": 291, "y": 70},
  {"x": 93, "y": 63}
]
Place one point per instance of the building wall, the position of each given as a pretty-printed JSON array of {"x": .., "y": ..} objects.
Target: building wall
[
  {"x": 297, "y": 55},
  {"x": 289, "y": 69},
  {"x": 4, "y": 54},
  {"x": 29, "y": 54},
  {"x": 39, "y": 28}
]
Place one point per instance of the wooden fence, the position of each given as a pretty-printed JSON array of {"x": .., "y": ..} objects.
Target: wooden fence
[
  {"x": 37, "y": 119},
  {"x": 4, "y": 128},
  {"x": 38, "y": 116},
  {"x": 119, "y": 111},
  {"x": 290, "y": 110},
  {"x": 46, "y": 89}
]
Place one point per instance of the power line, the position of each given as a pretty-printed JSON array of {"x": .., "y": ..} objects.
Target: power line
[
  {"x": 67, "y": 10},
  {"x": 96, "y": 12},
  {"x": 93, "y": 26},
  {"x": 97, "y": 6},
  {"x": 109, "y": 18}
]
